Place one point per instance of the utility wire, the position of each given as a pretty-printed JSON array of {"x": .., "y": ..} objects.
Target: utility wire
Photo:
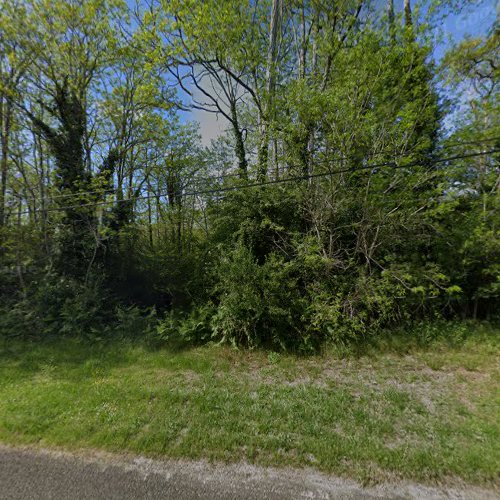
[
  {"x": 237, "y": 174},
  {"x": 270, "y": 182}
]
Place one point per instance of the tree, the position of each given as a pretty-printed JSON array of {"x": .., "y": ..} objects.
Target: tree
[
  {"x": 69, "y": 45},
  {"x": 468, "y": 215},
  {"x": 12, "y": 68}
]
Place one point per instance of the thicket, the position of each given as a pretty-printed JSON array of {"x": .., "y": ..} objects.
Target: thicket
[{"x": 339, "y": 204}]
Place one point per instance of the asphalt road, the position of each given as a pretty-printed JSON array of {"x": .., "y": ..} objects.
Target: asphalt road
[{"x": 41, "y": 474}]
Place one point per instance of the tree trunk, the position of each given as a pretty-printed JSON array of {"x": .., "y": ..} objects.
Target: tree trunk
[
  {"x": 390, "y": 19},
  {"x": 5, "y": 126},
  {"x": 407, "y": 9},
  {"x": 272, "y": 55},
  {"x": 76, "y": 233},
  {"x": 150, "y": 218},
  {"x": 240, "y": 145}
]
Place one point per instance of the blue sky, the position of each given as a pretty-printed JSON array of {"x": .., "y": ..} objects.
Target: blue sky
[{"x": 474, "y": 20}]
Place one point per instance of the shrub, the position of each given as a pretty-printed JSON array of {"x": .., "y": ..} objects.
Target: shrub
[
  {"x": 135, "y": 322},
  {"x": 18, "y": 319},
  {"x": 57, "y": 305},
  {"x": 259, "y": 304},
  {"x": 191, "y": 328}
]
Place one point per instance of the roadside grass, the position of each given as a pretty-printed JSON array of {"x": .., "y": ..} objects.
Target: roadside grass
[{"x": 396, "y": 409}]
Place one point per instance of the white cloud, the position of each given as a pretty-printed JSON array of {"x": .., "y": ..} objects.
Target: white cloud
[{"x": 211, "y": 125}]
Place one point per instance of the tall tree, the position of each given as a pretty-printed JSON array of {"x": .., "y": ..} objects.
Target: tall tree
[
  {"x": 13, "y": 65},
  {"x": 70, "y": 43}
]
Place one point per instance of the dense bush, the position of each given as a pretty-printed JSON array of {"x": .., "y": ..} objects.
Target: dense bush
[
  {"x": 258, "y": 304},
  {"x": 182, "y": 329},
  {"x": 57, "y": 305}
]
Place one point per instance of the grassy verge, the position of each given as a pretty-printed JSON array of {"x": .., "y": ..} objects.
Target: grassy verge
[{"x": 420, "y": 413}]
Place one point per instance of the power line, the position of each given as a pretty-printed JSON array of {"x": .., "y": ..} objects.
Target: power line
[
  {"x": 237, "y": 174},
  {"x": 110, "y": 191},
  {"x": 470, "y": 143},
  {"x": 271, "y": 182}
]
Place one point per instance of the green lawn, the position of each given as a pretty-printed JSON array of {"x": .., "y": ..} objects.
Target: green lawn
[{"x": 422, "y": 413}]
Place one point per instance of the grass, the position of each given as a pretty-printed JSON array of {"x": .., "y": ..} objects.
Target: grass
[{"x": 395, "y": 410}]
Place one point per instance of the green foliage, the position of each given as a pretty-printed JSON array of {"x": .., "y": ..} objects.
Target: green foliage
[
  {"x": 259, "y": 304},
  {"x": 57, "y": 306},
  {"x": 427, "y": 332},
  {"x": 134, "y": 322},
  {"x": 116, "y": 220},
  {"x": 185, "y": 329},
  {"x": 18, "y": 320},
  {"x": 62, "y": 307},
  {"x": 352, "y": 314}
]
